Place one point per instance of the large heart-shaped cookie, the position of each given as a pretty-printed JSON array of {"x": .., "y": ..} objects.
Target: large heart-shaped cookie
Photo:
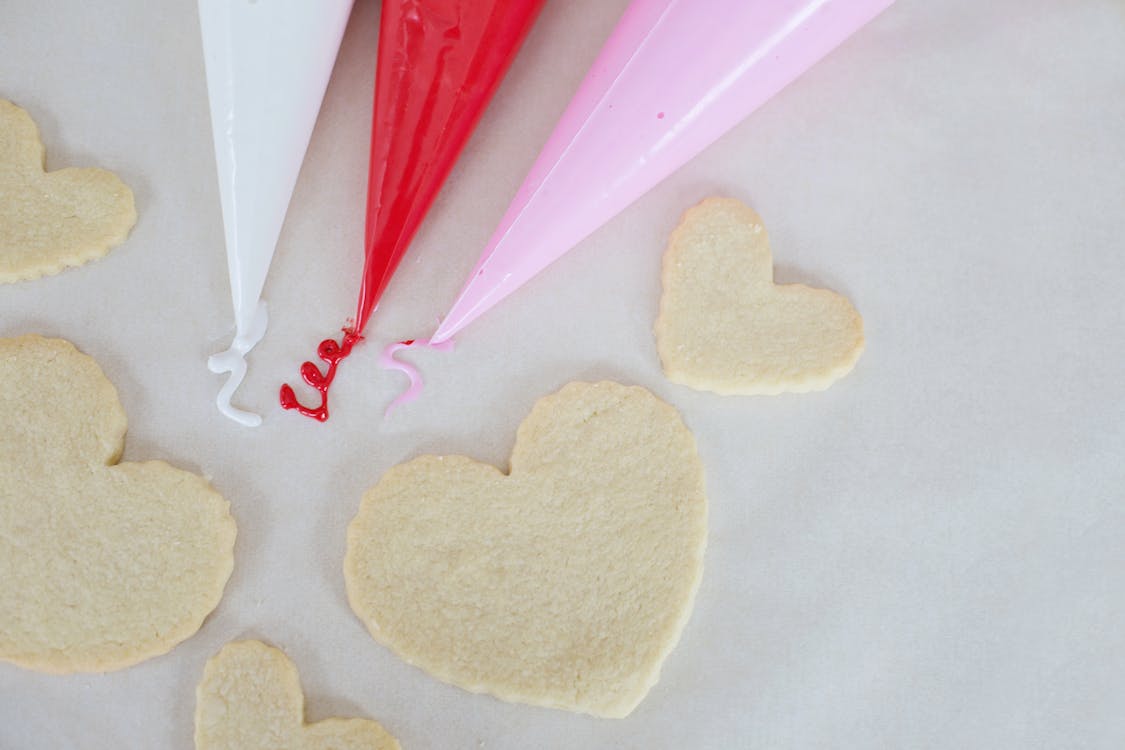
[
  {"x": 724, "y": 326},
  {"x": 250, "y": 699},
  {"x": 51, "y": 220},
  {"x": 564, "y": 583},
  {"x": 101, "y": 565}
]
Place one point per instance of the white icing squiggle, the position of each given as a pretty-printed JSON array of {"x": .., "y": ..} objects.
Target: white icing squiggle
[{"x": 233, "y": 360}]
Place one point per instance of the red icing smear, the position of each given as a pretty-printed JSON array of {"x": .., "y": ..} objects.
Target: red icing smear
[{"x": 332, "y": 353}]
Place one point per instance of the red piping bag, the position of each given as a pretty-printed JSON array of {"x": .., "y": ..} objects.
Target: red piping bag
[{"x": 439, "y": 63}]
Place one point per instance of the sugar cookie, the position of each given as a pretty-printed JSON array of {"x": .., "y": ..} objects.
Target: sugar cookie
[
  {"x": 564, "y": 583},
  {"x": 102, "y": 565},
  {"x": 250, "y": 699},
  {"x": 51, "y": 220},
  {"x": 724, "y": 326}
]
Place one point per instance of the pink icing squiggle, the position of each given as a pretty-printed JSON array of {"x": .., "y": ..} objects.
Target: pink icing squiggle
[{"x": 388, "y": 361}]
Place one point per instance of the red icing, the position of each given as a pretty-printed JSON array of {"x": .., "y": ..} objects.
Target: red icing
[
  {"x": 439, "y": 62},
  {"x": 332, "y": 353}
]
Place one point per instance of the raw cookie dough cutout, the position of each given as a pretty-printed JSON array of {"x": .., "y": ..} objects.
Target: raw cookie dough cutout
[
  {"x": 724, "y": 326},
  {"x": 250, "y": 699},
  {"x": 102, "y": 564},
  {"x": 52, "y": 220},
  {"x": 564, "y": 583}
]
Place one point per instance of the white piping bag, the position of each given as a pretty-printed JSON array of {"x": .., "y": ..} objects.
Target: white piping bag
[{"x": 268, "y": 63}]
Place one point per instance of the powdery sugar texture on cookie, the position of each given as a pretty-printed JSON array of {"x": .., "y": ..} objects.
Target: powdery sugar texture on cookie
[
  {"x": 724, "y": 326},
  {"x": 250, "y": 699},
  {"x": 52, "y": 220},
  {"x": 564, "y": 583},
  {"x": 102, "y": 564}
]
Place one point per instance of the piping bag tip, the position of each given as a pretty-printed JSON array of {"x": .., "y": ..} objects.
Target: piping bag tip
[
  {"x": 332, "y": 354},
  {"x": 233, "y": 360},
  {"x": 388, "y": 361}
]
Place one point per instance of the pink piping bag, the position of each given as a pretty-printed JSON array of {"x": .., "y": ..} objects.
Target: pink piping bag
[{"x": 673, "y": 77}]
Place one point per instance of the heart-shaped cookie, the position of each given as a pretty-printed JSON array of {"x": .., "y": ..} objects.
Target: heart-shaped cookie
[
  {"x": 51, "y": 220},
  {"x": 564, "y": 583},
  {"x": 102, "y": 564},
  {"x": 250, "y": 699},
  {"x": 724, "y": 326}
]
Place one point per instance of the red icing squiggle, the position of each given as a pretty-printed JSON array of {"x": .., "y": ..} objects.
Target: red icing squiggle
[
  {"x": 439, "y": 63},
  {"x": 332, "y": 353}
]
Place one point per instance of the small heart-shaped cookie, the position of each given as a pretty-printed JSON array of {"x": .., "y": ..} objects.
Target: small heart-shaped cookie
[
  {"x": 51, "y": 220},
  {"x": 250, "y": 699},
  {"x": 102, "y": 565},
  {"x": 724, "y": 326},
  {"x": 564, "y": 583}
]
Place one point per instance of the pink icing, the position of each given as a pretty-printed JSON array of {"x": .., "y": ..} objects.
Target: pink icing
[{"x": 388, "y": 361}]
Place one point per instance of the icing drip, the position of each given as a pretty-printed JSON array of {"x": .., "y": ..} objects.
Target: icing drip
[
  {"x": 233, "y": 360},
  {"x": 332, "y": 353},
  {"x": 388, "y": 361}
]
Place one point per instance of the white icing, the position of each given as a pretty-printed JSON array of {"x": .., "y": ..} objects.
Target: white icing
[
  {"x": 267, "y": 65},
  {"x": 233, "y": 360}
]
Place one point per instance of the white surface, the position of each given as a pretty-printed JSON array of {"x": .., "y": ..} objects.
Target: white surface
[{"x": 927, "y": 555}]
